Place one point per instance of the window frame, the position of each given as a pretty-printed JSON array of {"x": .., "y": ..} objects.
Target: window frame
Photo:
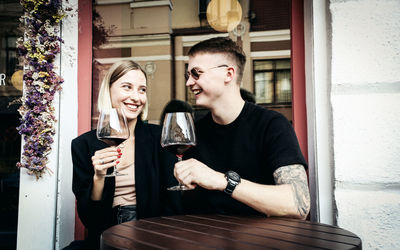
[{"x": 274, "y": 79}]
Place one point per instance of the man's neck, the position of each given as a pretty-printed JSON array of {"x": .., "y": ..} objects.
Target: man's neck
[{"x": 226, "y": 111}]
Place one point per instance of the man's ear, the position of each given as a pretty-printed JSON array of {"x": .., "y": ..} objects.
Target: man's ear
[{"x": 230, "y": 74}]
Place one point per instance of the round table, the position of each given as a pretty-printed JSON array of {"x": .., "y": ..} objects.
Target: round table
[{"x": 226, "y": 232}]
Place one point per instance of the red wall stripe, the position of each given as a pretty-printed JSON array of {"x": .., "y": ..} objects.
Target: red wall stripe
[
  {"x": 298, "y": 74},
  {"x": 84, "y": 82}
]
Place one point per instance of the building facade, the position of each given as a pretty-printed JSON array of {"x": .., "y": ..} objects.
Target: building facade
[
  {"x": 161, "y": 45},
  {"x": 348, "y": 65}
]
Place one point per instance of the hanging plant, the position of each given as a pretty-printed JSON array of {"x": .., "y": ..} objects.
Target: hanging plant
[{"x": 38, "y": 48}]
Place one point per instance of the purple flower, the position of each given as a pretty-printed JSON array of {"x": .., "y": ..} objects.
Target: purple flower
[{"x": 39, "y": 51}]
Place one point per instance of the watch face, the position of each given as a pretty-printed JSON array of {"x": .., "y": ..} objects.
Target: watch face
[{"x": 234, "y": 176}]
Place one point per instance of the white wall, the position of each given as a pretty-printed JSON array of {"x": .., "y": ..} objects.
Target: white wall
[
  {"x": 68, "y": 128},
  {"x": 365, "y": 99}
]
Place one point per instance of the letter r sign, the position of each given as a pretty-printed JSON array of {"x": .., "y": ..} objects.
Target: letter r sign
[{"x": 2, "y": 79}]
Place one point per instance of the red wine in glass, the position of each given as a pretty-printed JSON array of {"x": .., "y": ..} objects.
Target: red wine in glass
[
  {"x": 178, "y": 149},
  {"x": 178, "y": 136},
  {"x": 112, "y": 141},
  {"x": 112, "y": 128}
]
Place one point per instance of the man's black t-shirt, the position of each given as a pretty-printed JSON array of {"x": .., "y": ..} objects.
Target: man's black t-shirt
[{"x": 257, "y": 143}]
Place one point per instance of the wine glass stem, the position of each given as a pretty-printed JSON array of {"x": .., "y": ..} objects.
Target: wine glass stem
[
  {"x": 180, "y": 159},
  {"x": 115, "y": 167}
]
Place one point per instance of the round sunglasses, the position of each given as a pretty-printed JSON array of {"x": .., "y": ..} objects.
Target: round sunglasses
[{"x": 195, "y": 73}]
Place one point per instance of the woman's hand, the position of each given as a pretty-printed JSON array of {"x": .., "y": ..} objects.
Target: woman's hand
[
  {"x": 104, "y": 159},
  {"x": 193, "y": 172}
]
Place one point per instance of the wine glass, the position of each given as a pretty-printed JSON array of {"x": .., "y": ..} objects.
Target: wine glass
[
  {"x": 178, "y": 136},
  {"x": 112, "y": 128}
]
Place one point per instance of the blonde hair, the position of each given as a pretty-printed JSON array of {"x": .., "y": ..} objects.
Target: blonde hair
[{"x": 116, "y": 71}]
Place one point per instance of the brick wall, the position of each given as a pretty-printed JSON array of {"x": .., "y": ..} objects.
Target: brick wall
[{"x": 365, "y": 99}]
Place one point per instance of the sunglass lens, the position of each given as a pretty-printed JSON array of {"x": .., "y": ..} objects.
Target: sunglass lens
[{"x": 194, "y": 74}]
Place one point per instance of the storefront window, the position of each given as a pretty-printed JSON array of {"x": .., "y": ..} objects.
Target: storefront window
[
  {"x": 130, "y": 31},
  {"x": 10, "y": 140}
]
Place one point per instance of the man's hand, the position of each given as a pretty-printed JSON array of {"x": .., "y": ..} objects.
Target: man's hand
[{"x": 193, "y": 172}]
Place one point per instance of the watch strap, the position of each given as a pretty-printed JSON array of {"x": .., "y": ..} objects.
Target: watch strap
[{"x": 232, "y": 183}]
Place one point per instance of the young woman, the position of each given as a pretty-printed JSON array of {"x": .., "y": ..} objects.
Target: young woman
[{"x": 105, "y": 201}]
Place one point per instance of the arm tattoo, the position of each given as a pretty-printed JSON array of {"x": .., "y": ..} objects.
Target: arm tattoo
[{"x": 296, "y": 176}]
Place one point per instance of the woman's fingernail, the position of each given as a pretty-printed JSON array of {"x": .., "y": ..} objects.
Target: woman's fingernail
[
  {"x": 119, "y": 150},
  {"x": 117, "y": 162},
  {"x": 119, "y": 156}
]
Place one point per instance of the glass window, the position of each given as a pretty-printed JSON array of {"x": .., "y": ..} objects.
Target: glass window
[
  {"x": 264, "y": 87},
  {"x": 10, "y": 140},
  {"x": 282, "y": 64},
  {"x": 283, "y": 87},
  {"x": 263, "y": 65},
  {"x": 272, "y": 81}
]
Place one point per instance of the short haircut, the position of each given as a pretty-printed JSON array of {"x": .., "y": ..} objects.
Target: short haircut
[
  {"x": 116, "y": 71},
  {"x": 222, "y": 45}
]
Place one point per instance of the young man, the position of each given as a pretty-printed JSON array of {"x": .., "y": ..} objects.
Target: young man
[{"x": 247, "y": 159}]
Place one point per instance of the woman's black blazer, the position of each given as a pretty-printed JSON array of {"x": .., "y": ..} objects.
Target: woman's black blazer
[{"x": 153, "y": 173}]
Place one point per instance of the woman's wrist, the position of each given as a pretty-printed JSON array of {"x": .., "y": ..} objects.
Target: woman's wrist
[
  {"x": 97, "y": 178},
  {"x": 98, "y": 185}
]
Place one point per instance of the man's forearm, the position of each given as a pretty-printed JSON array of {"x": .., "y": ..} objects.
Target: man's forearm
[
  {"x": 271, "y": 200},
  {"x": 296, "y": 177},
  {"x": 289, "y": 197}
]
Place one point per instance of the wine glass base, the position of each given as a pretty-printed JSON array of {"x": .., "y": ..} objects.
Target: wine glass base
[{"x": 178, "y": 188}]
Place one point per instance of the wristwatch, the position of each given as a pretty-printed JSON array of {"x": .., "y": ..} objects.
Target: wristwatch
[{"x": 233, "y": 180}]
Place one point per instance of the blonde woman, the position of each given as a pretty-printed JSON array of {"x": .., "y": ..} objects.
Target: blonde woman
[{"x": 106, "y": 201}]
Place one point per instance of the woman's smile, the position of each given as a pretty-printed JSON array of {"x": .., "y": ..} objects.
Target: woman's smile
[{"x": 129, "y": 93}]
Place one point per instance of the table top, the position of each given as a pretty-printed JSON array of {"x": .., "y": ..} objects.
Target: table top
[{"x": 226, "y": 232}]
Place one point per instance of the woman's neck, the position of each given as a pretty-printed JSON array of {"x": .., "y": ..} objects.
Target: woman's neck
[{"x": 132, "y": 126}]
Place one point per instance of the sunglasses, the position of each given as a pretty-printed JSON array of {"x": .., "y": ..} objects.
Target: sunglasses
[{"x": 195, "y": 73}]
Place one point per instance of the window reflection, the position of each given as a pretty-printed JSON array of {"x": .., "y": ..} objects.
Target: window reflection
[
  {"x": 283, "y": 87},
  {"x": 273, "y": 81},
  {"x": 10, "y": 140},
  {"x": 272, "y": 85},
  {"x": 162, "y": 32}
]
